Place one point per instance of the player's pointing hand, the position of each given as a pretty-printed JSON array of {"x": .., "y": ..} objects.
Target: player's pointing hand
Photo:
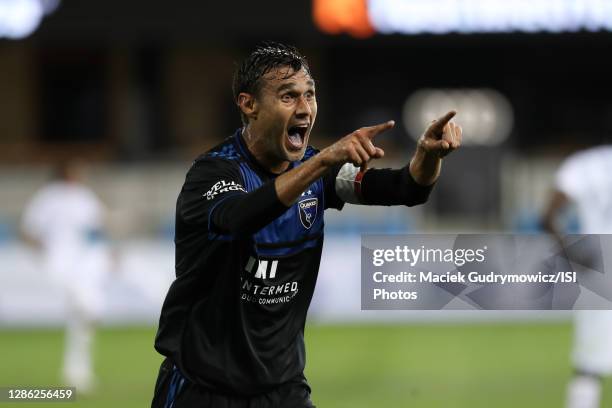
[
  {"x": 442, "y": 136},
  {"x": 357, "y": 147}
]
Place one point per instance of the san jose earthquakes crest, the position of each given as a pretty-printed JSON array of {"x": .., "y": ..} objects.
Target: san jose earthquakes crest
[{"x": 308, "y": 211}]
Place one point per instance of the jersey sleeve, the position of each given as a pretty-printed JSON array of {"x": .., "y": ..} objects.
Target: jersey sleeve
[
  {"x": 379, "y": 186},
  {"x": 332, "y": 199},
  {"x": 208, "y": 183}
]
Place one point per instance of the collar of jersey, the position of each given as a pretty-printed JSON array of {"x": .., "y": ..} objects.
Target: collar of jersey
[{"x": 243, "y": 149}]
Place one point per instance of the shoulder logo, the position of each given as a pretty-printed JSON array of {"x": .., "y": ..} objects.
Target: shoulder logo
[
  {"x": 221, "y": 187},
  {"x": 308, "y": 211}
]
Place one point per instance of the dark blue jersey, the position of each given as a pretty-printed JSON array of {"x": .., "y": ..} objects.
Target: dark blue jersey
[{"x": 233, "y": 320}]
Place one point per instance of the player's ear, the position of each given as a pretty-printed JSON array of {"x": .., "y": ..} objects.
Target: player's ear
[{"x": 248, "y": 105}]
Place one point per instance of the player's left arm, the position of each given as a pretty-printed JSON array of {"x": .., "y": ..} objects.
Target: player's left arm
[
  {"x": 410, "y": 185},
  {"x": 569, "y": 186},
  {"x": 557, "y": 203}
]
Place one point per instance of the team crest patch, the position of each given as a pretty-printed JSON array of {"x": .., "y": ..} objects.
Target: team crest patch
[{"x": 308, "y": 211}]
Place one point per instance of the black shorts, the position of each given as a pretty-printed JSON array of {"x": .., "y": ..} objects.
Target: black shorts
[{"x": 172, "y": 390}]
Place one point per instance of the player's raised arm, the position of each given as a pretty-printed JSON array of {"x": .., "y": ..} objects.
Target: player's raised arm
[
  {"x": 355, "y": 183},
  {"x": 411, "y": 185}
]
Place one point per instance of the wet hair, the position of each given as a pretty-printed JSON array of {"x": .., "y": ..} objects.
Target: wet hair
[{"x": 265, "y": 58}]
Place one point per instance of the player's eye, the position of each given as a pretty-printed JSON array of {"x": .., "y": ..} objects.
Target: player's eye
[
  {"x": 287, "y": 97},
  {"x": 309, "y": 95}
]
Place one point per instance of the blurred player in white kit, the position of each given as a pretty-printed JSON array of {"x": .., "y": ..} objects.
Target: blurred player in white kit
[
  {"x": 584, "y": 180},
  {"x": 65, "y": 220}
]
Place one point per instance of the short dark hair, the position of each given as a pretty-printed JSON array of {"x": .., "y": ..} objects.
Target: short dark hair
[{"x": 266, "y": 57}]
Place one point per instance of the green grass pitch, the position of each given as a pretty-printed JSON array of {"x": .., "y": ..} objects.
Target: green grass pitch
[{"x": 416, "y": 365}]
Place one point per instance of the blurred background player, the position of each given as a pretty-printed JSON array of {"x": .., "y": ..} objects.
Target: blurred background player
[
  {"x": 65, "y": 221},
  {"x": 583, "y": 180}
]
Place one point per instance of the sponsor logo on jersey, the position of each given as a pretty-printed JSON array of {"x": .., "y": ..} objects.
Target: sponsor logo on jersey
[
  {"x": 261, "y": 270},
  {"x": 221, "y": 187},
  {"x": 257, "y": 287},
  {"x": 308, "y": 211}
]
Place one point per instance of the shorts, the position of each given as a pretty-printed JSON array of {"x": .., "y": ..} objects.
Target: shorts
[{"x": 172, "y": 390}]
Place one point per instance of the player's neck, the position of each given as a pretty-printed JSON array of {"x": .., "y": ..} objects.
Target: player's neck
[{"x": 259, "y": 149}]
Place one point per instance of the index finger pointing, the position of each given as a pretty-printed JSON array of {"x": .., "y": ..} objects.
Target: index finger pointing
[
  {"x": 372, "y": 131},
  {"x": 442, "y": 121}
]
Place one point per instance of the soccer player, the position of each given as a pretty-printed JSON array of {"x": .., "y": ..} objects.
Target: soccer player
[
  {"x": 249, "y": 235},
  {"x": 583, "y": 179},
  {"x": 65, "y": 220}
]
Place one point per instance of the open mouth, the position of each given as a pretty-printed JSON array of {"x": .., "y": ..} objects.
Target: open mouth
[{"x": 296, "y": 136}]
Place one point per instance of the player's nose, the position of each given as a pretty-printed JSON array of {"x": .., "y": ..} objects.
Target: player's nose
[{"x": 303, "y": 108}]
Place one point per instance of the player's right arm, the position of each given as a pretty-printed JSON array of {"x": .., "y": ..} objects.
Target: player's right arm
[
  {"x": 214, "y": 197},
  {"x": 214, "y": 194}
]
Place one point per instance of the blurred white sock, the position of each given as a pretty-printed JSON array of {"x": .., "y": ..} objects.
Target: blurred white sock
[
  {"x": 583, "y": 392},
  {"x": 78, "y": 367}
]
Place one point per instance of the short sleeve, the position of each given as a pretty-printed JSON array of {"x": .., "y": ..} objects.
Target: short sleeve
[
  {"x": 209, "y": 182},
  {"x": 570, "y": 177}
]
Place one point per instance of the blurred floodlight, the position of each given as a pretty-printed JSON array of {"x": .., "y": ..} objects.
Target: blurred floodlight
[
  {"x": 489, "y": 16},
  {"x": 485, "y": 115},
  {"x": 336, "y": 16},
  {"x": 20, "y": 18}
]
